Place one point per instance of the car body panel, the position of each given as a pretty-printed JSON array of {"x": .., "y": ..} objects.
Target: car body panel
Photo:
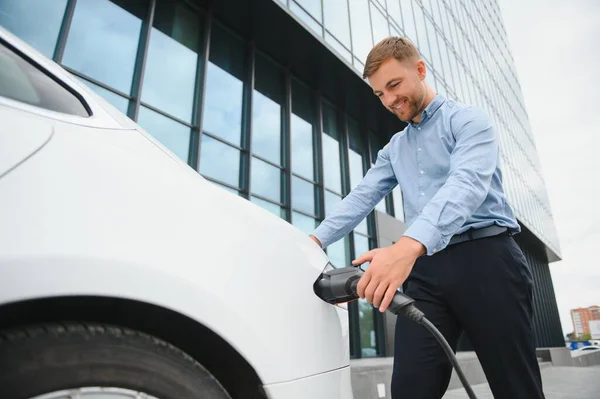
[
  {"x": 33, "y": 135},
  {"x": 103, "y": 209},
  {"x": 333, "y": 384}
]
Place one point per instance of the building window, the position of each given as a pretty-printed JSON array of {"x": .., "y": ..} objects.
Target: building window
[
  {"x": 338, "y": 252},
  {"x": 219, "y": 161},
  {"x": 360, "y": 25},
  {"x": 356, "y": 150},
  {"x": 39, "y": 28},
  {"x": 224, "y": 87},
  {"x": 103, "y": 40},
  {"x": 173, "y": 51},
  {"x": 336, "y": 20},
  {"x": 171, "y": 134},
  {"x": 376, "y": 146},
  {"x": 268, "y": 114},
  {"x": 331, "y": 150},
  {"x": 379, "y": 24},
  {"x": 267, "y": 109},
  {"x": 302, "y": 125}
]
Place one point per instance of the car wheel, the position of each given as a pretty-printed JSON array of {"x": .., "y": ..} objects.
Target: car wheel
[{"x": 93, "y": 361}]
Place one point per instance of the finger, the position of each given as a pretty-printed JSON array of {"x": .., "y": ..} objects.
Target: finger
[
  {"x": 387, "y": 299},
  {"x": 362, "y": 283},
  {"x": 371, "y": 288},
  {"x": 366, "y": 257},
  {"x": 379, "y": 294}
]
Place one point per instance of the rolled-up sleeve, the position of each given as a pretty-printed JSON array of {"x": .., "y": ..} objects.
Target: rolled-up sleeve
[
  {"x": 472, "y": 165},
  {"x": 349, "y": 212}
]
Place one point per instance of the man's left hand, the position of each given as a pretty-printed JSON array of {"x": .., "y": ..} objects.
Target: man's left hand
[{"x": 389, "y": 268}]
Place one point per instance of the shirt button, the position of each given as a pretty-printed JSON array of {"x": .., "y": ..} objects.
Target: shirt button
[
  {"x": 422, "y": 172},
  {"x": 419, "y": 149},
  {"x": 422, "y": 194},
  {"x": 418, "y": 128}
]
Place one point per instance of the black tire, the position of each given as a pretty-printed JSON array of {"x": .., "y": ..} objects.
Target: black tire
[{"x": 40, "y": 360}]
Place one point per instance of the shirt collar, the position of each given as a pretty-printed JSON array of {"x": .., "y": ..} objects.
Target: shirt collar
[{"x": 428, "y": 112}]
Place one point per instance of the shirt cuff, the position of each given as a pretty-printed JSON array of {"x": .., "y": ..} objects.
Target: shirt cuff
[
  {"x": 324, "y": 234},
  {"x": 428, "y": 235}
]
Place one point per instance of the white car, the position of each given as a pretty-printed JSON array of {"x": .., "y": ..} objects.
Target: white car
[{"x": 125, "y": 274}]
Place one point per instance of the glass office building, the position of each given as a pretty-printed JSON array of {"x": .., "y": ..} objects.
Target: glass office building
[{"x": 265, "y": 99}]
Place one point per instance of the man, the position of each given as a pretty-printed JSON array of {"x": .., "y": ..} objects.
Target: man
[{"x": 457, "y": 258}]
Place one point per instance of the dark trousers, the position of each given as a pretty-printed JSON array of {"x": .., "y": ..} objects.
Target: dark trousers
[{"x": 484, "y": 288}]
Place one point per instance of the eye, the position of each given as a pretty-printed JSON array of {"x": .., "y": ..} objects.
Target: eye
[{"x": 394, "y": 84}]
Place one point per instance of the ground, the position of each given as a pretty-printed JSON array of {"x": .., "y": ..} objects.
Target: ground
[{"x": 559, "y": 383}]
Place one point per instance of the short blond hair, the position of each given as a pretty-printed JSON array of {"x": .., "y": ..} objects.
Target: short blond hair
[{"x": 398, "y": 47}]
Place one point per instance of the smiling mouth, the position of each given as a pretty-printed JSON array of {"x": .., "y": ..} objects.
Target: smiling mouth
[{"x": 399, "y": 107}]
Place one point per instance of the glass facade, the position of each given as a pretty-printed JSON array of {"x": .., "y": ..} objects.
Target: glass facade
[{"x": 254, "y": 127}]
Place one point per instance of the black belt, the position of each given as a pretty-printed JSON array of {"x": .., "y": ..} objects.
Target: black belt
[{"x": 474, "y": 234}]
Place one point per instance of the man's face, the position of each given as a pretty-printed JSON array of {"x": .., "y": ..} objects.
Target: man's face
[{"x": 399, "y": 86}]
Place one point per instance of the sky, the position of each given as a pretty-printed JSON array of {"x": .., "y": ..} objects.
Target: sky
[{"x": 555, "y": 47}]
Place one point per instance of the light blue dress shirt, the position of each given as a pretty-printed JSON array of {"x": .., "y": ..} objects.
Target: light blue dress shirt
[{"x": 448, "y": 169}]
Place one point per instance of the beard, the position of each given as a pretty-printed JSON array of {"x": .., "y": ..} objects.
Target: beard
[
  {"x": 408, "y": 111},
  {"x": 411, "y": 107}
]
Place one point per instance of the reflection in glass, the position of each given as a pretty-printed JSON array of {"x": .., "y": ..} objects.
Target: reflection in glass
[
  {"x": 37, "y": 28},
  {"x": 269, "y": 206},
  {"x": 356, "y": 168},
  {"x": 303, "y": 195},
  {"x": 306, "y": 224},
  {"x": 173, "y": 135},
  {"x": 393, "y": 7},
  {"x": 103, "y": 40},
  {"x": 398, "y": 204},
  {"x": 313, "y": 7},
  {"x": 266, "y": 180},
  {"x": 362, "y": 39},
  {"x": 232, "y": 191},
  {"x": 266, "y": 130},
  {"x": 219, "y": 161},
  {"x": 435, "y": 52},
  {"x": 361, "y": 246},
  {"x": 224, "y": 86},
  {"x": 409, "y": 21},
  {"x": 336, "y": 20},
  {"x": 170, "y": 76},
  {"x": 356, "y": 175},
  {"x": 337, "y": 46},
  {"x": 266, "y": 110},
  {"x": 421, "y": 32},
  {"x": 331, "y": 201},
  {"x": 331, "y": 150},
  {"x": 223, "y": 105},
  {"x": 338, "y": 253},
  {"x": 380, "y": 24},
  {"x": 365, "y": 310},
  {"x": 302, "y": 131},
  {"x": 306, "y": 18},
  {"x": 368, "y": 342},
  {"x": 116, "y": 100}
]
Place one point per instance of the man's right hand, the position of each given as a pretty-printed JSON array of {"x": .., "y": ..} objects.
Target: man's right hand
[{"x": 315, "y": 239}]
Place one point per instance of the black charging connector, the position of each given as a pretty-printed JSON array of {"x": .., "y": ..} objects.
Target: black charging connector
[{"x": 340, "y": 285}]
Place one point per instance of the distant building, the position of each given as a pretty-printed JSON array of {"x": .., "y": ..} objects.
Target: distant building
[{"x": 581, "y": 319}]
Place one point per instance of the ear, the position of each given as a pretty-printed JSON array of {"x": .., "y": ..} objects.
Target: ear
[{"x": 421, "y": 69}]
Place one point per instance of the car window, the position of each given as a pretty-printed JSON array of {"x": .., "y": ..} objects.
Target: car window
[{"x": 24, "y": 82}]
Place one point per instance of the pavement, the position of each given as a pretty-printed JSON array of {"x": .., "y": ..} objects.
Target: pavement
[{"x": 558, "y": 383}]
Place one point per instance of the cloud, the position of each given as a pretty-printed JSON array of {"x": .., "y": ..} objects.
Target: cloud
[{"x": 554, "y": 44}]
